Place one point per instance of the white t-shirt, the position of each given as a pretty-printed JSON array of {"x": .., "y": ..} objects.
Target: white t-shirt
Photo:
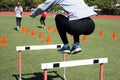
[
  {"x": 18, "y": 11},
  {"x": 76, "y": 9}
]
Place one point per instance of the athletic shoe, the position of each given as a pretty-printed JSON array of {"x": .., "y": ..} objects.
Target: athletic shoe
[
  {"x": 42, "y": 26},
  {"x": 65, "y": 49},
  {"x": 75, "y": 49},
  {"x": 18, "y": 28}
]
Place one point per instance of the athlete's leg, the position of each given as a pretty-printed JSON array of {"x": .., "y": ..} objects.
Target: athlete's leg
[
  {"x": 61, "y": 24},
  {"x": 20, "y": 19}
]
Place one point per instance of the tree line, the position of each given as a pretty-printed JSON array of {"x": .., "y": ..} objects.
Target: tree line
[{"x": 106, "y": 6}]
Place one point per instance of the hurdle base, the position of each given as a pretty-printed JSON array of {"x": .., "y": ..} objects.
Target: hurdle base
[{"x": 20, "y": 77}]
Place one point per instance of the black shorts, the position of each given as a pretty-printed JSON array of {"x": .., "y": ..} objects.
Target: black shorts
[{"x": 76, "y": 27}]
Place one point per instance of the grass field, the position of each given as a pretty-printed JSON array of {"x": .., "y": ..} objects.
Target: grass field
[{"x": 94, "y": 47}]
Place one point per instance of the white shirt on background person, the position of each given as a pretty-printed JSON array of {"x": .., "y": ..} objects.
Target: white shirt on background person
[{"x": 18, "y": 11}]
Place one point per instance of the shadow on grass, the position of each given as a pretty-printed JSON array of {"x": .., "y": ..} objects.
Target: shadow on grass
[
  {"x": 39, "y": 26},
  {"x": 39, "y": 76},
  {"x": 15, "y": 29}
]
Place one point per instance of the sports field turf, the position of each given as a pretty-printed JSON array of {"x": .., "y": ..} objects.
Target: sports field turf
[{"x": 94, "y": 47}]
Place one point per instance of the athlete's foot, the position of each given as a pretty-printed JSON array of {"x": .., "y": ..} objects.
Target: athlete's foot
[
  {"x": 18, "y": 29},
  {"x": 65, "y": 49},
  {"x": 75, "y": 49},
  {"x": 42, "y": 26}
]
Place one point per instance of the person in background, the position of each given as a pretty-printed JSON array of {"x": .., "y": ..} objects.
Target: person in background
[
  {"x": 18, "y": 12},
  {"x": 78, "y": 21},
  {"x": 42, "y": 19}
]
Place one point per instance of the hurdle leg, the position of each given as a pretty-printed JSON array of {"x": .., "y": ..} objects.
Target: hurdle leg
[
  {"x": 64, "y": 59},
  {"x": 101, "y": 71},
  {"x": 20, "y": 64},
  {"x": 45, "y": 74}
]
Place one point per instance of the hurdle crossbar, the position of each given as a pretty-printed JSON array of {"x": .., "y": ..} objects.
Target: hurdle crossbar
[
  {"x": 19, "y": 49},
  {"x": 38, "y": 47},
  {"x": 73, "y": 63},
  {"x": 64, "y": 64}
]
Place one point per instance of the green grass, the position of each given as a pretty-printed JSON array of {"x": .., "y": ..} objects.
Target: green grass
[{"x": 94, "y": 47}]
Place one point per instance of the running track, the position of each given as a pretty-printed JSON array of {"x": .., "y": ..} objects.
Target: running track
[{"x": 99, "y": 16}]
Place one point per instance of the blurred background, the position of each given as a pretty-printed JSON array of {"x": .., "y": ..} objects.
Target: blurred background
[{"x": 103, "y": 7}]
